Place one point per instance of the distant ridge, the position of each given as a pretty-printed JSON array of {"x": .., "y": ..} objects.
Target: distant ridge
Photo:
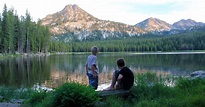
[
  {"x": 82, "y": 25},
  {"x": 186, "y": 24},
  {"x": 154, "y": 24}
]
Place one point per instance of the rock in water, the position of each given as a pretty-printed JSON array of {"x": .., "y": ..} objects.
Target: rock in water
[{"x": 198, "y": 74}]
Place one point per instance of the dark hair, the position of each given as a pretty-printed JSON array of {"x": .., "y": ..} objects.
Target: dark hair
[{"x": 120, "y": 62}]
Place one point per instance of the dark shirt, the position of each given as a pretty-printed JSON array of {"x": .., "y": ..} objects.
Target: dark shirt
[{"x": 128, "y": 78}]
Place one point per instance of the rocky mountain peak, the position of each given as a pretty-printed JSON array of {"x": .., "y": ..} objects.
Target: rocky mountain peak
[
  {"x": 154, "y": 24},
  {"x": 75, "y": 13},
  {"x": 74, "y": 19},
  {"x": 186, "y": 24},
  {"x": 70, "y": 13}
]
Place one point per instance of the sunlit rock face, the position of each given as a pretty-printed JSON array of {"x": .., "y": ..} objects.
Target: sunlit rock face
[
  {"x": 74, "y": 19},
  {"x": 154, "y": 24}
]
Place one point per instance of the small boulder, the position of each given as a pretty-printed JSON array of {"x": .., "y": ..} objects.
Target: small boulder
[{"x": 198, "y": 74}]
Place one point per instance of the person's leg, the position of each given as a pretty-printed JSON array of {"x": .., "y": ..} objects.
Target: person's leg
[
  {"x": 93, "y": 81},
  {"x": 118, "y": 85},
  {"x": 114, "y": 79}
]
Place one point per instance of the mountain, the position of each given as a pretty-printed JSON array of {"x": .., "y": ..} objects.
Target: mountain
[
  {"x": 186, "y": 24},
  {"x": 74, "y": 19},
  {"x": 74, "y": 23},
  {"x": 154, "y": 24}
]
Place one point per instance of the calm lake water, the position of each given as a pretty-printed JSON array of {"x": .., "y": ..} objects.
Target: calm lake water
[{"x": 52, "y": 71}]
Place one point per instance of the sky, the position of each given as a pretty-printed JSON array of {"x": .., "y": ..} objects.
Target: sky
[{"x": 124, "y": 11}]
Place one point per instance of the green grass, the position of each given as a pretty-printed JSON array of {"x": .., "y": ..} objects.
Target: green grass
[
  {"x": 149, "y": 90},
  {"x": 152, "y": 90},
  {"x": 8, "y": 93}
]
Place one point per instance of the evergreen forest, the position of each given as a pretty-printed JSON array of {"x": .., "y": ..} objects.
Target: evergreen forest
[{"x": 22, "y": 35}]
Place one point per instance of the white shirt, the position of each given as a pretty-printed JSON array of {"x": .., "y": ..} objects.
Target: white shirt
[{"x": 91, "y": 60}]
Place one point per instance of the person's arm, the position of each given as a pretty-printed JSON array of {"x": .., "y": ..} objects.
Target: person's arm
[
  {"x": 119, "y": 79},
  {"x": 94, "y": 68},
  {"x": 86, "y": 68}
]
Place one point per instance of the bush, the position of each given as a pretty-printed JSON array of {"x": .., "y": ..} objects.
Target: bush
[
  {"x": 8, "y": 93},
  {"x": 36, "y": 97},
  {"x": 75, "y": 95}
]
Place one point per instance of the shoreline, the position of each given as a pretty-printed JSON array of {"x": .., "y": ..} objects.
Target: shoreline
[
  {"x": 76, "y": 53},
  {"x": 189, "y": 52}
]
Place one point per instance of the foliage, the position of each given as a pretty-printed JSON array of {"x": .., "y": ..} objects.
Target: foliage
[
  {"x": 149, "y": 86},
  {"x": 150, "y": 90},
  {"x": 192, "y": 40},
  {"x": 36, "y": 97},
  {"x": 185, "y": 92},
  {"x": 66, "y": 95},
  {"x": 8, "y": 93},
  {"x": 191, "y": 86},
  {"x": 74, "y": 95},
  {"x": 21, "y": 35},
  {"x": 113, "y": 101}
]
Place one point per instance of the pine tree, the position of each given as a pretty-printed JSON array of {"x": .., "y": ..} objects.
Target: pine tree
[
  {"x": 11, "y": 27},
  {"x": 5, "y": 31},
  {"x": 17, "y": 35},
  {"x": 22, "y": 39},
  {"x": 47, "y": 39},
  {"x": 33, "y": 33},
  {"x": 28, "y": 20},
  {"x": 1, "y": 34}
]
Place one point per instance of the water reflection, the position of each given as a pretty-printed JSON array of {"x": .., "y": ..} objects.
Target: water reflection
[
  {"x": 52, "y": 71},
  {"x": 24, "y": 71}
]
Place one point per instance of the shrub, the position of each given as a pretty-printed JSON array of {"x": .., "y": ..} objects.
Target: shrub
[
  {"x": 74, "y": 95},
  {"x": 8, "y": 93},
  {"x": 36, "y": 97}
]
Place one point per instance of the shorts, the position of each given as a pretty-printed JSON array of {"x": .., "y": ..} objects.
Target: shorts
[
  {"x": 93, "y": 81},
  {"x": 116, "y": 72}
]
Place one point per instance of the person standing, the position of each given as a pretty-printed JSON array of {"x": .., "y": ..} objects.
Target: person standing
[{"x": 91, "y": 67}]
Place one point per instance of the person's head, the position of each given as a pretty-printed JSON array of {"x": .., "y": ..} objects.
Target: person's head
[
  {"x": 120, "y": 62},
  {"x": 94, "y": 50}
]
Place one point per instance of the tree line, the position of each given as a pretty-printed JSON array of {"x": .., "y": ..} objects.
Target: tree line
[
  {"x": 191, "y": 40},
  {"x": 21, "y": 34}
]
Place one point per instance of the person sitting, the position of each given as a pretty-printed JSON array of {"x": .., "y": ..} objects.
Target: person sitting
[{"x": 122, "y": 78}]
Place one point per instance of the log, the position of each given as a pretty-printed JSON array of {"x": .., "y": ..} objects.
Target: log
[{"x": 122, "y": 93}]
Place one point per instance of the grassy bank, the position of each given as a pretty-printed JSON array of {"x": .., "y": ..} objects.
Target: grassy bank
[{"x": 149, "y": 90}]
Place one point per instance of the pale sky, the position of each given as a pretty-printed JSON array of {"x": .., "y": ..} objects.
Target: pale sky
[{"x": 125, "y": 11}]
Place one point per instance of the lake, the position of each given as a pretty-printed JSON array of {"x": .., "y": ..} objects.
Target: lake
[{"x": 54, "y": 70}]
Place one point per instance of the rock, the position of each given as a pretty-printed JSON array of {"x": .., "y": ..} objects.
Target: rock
[
  {"x": 5, "y": 104},
  {"x": 198, "y": 74},
  {"x": 19, "y": 101}
]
